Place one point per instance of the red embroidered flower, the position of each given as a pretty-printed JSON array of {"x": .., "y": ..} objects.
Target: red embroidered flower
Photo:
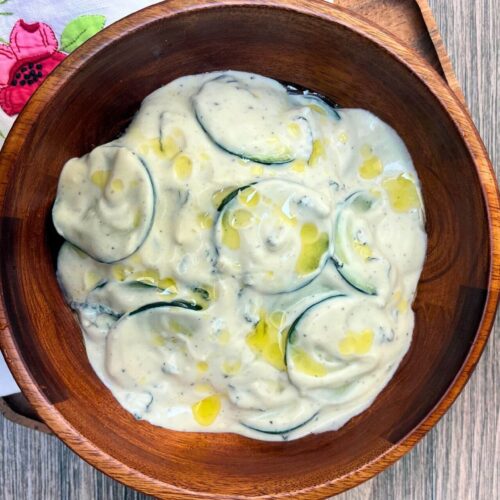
[{"x": 25, "y": 63}]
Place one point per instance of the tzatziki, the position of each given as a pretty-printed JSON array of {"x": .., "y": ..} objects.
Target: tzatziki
[{"x": 244, "y": 258}]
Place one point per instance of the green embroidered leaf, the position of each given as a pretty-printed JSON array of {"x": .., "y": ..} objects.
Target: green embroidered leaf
[{"x": 80, "y": 30}]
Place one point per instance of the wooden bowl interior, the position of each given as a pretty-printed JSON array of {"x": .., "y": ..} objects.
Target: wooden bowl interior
[{"x": 93, "y": 106}]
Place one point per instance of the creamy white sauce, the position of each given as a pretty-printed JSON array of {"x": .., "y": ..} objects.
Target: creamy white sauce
[{"x": 243, "y": 259}]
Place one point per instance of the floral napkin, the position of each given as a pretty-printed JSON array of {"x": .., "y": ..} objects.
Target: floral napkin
[{"x": 35, "y": 36}]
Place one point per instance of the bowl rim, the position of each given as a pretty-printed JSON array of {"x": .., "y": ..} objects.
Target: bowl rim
[{"x": 405, "y": 56}]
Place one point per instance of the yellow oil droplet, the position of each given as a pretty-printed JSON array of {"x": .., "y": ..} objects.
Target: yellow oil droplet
[
  {"x": 277, "y": 319},
  {"x": 402, "y": 306},
  {"x": 202, "y": 366},
  {"x": 91, "y": 279},
  {"x": 289, "y": 219},
  {"x": 402, "y": 193},
  {"x": 257, "y": 170},
  {"x": 311, "y": 254},
  {"x": 219, "y": 196},
  {"x": 204, "y": 156},
  {"x": 317, "y": 109},
  {"x": 240, "y": 219},
  {"x": 318, "y": 152},
  {"x": 177, "y": 327},
  {"x": 100, "y": 178},
  {"x": 343, "y": 137},
  {"x": 294, "y": 130},
  {"x": 231, "y": 367},
  {"x": 224, "y": 337},
  {"x": 137, "y": 218},
  {"x": 205, "y": 220},
  {"x": 364, "y": 251},
  {"x": 169, "y": 147},
  {"x": 148, "y": 146},
  {"x": 147, "y": 276},
  {"x": 117, "y": 185},
  {"x": 204, "y": 388},
  {"x": 249, "y": 197},
  {"x": 370, "y": 168},
  {"x": 309, "y": 232},
  {"x": 268, "y": 341},
  {"x": 136, "y": 259},
  {"x": 168, "y": 284},
  {"x": 183, "y": 166},
  {"x": 305, "y": 363},
  {"x": 120, "y": 272},
  {"x": 143, "y": 380},
  {"x": 275, "y": 141},
  {"x": 158, "y": 340},
  {"x": 230, "y": 236},
  {"x": 299, "y": 166},
  {"x": 205, "y": 411},
  {"x": 356, "y": 343}
]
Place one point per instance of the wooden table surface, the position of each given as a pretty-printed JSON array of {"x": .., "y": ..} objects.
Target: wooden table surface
[{"x": 459, "y": 459}]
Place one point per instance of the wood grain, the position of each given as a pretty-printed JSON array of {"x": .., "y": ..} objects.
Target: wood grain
[{"x": 411, "y": 484}]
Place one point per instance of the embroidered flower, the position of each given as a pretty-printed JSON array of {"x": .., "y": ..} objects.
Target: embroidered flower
[{"x": 25, "y": 63}]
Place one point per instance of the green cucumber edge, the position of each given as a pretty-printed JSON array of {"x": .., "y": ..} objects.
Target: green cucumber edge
[
  {"x": 243, "y": 156},
  {"x": 282, "y": 432},
  {"x": 151, "y": 221},
  {"x": 183, "y": 304},
  {"x": 300, "y": 317},
  {"x": 239, "y": 154},
  {"x": 337, "y": 259}
]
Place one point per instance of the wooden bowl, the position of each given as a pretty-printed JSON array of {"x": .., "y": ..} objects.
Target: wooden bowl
[{"x": 91, "y": 97}]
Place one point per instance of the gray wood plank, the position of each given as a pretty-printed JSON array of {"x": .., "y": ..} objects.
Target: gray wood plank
[{"x": 458, "y": 460}]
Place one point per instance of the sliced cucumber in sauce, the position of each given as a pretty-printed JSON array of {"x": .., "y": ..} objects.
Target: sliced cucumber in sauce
[
  {"x": 316, "y": 101},
  {"x": 105, "y": 203},
  {"x": 330, "y": 345},
  {"x": 183, "y": 304},
  {"x": 293, "y": 326},
  {"x": 351, "y": 254},
  {"x": 156, "y": 331},
  {"x": 275, "y": 422},
  {"x": 270, "y": 225},
  {"x": 282, "y": 135},
  {"x": 231, "y": 197}
]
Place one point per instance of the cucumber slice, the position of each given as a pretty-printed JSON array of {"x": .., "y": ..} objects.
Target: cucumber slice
[
  {"x": 228, "y": 109},
  {"x": 96, "y": 319},
  {"x": 277, "y": 422},
  {"x": 231, "y": 196},
  {"x": 105, "y": 203},
  {"x": 292, "y": 329},
  {"x": 183, "y": 304},
  {"x": 333, "y": 343},
  {"x": 273, "y": 235},
  {"x": 98, "y": 309},
  {"x": 151, "y": 344},
  {"x": 315, "y": 101},
  {"x": 352, "y": 254},
  {"x": 125, "y": 297},
  {"x": 78, "y": 274}
]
